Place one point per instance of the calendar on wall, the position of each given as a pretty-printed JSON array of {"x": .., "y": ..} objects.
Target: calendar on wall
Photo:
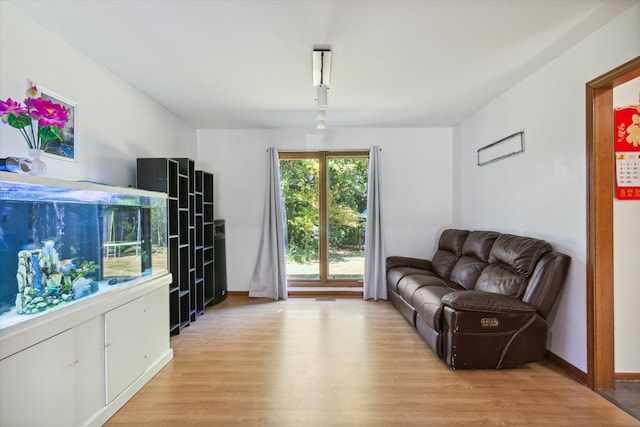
[{"x": 627, "y": 146}]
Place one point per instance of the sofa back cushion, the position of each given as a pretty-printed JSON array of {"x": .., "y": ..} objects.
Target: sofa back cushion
[
  {"x": 449, "y": 251},
  {"x": 474, "y": 258},
  {"x": 511, "y": 263}
]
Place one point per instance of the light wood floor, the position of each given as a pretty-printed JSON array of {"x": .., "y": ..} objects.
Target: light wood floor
[{"x": 302, "y": 362}]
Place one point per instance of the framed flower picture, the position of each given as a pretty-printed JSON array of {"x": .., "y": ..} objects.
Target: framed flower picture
[{"x": 66, "y": 149}]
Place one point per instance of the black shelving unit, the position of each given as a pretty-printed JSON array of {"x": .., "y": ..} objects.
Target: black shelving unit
[{"x": 186, "y": 214}]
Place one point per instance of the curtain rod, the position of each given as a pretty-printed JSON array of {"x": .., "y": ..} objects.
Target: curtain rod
[{"x": 335, "y": 151}]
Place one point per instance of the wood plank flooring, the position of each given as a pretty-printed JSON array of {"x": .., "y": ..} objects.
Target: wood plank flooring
[{"x": 304, "y": 362}]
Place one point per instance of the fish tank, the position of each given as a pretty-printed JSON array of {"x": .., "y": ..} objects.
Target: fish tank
[{"x": 62, "y": 242}]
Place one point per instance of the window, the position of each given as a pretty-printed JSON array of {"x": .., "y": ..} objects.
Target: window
[{"x": 325, "y": 195}]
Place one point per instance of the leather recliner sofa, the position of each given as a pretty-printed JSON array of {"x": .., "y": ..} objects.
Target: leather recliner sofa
[{"x": 483, "y": 300}]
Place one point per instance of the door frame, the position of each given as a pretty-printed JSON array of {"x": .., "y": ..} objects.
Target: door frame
[{"x": 600, "y": 195}]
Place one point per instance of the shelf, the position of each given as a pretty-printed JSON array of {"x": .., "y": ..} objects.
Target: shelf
[
  {"x": 183, "y": 166},
  {"x": 209, "y": 282},
  {"x": 193, "y": 295},
  {"x": 207, "y": 181},
  {"x": 199, "y": 232},
  {"x": 173, "y": 257},
  {"x": 209, "y": 234},
  {"x": 183, "y": 191},
  {"x": 174, "y": 309},
  {"x": 208, "y": 255},
  {"x": 199, "y": 182},
  {"x": 172, "y": 171},
  {"x": 183, "y": 271},
  {"x": 199, "y": 204},
  {"x": 183, "y": 225},
  {"x": 192, "y": 210},
  {"x": 172, "y": 216},
  {"x": 199, "y": 264},
  {"x": 192, "y": 176},
  {"x": 208, "y": 212}
]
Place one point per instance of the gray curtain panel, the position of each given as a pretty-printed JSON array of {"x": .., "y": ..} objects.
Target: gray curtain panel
[
  {"x": 374, "y": 255},
  {"x": 269, "y": 278}
]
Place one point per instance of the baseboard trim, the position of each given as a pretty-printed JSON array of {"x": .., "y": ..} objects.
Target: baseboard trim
[
  {"x": 238, "y": 293},
  {"x": 325, "y": 294},
  {"x": 309, "y": 294},
  {"x": 627, "y": 376},
  {"x": 567, "y": 368}
]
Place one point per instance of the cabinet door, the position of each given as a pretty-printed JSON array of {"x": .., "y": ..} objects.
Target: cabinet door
[
  {"x": 156, "y": 317},
  {"x": 124, "y": 345},
  {"x": 37, "y": 384},
  {"x": 89, "y": 381}
]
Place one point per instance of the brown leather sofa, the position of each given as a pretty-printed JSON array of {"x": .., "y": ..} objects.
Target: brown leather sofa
[{"x": 483, "y": 300}]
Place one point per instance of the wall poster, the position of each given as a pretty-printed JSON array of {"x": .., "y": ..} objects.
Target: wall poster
[{"x": 627, "y": 146}]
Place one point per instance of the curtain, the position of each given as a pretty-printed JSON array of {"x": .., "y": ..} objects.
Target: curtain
[
  {"x": 375, "y": 286},
  {"x": 269, "y": 278}
]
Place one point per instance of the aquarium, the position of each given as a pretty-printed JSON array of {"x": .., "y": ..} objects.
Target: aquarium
[{"x": 62, "y": 242}]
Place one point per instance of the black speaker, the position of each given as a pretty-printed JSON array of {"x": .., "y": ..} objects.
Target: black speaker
[{"x": 220, "y": 256}]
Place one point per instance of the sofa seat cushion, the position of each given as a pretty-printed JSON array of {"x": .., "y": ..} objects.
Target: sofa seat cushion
[
  {"x": 396, "y": 274},
  {"x": 428, "y": 304},
  {"x": 408, "y": 285}
]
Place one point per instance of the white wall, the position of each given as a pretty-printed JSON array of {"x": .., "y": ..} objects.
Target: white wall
[
  {"x": 626, "y": 268},
  {"x": 542, "y": 193},
  {"x": 116, "y": 123},
  {"x": 415, "y": 172}
]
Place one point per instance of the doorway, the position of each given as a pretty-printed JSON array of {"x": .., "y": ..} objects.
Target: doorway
[{"x": 600, "y": 195}]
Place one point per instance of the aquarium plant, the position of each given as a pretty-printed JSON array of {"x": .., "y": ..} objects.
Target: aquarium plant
[
  {"x": 45, "y": 281},
  {"x": 48, "y": 117}
]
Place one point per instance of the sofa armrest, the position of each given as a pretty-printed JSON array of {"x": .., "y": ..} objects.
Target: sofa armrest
[
  {"x": 487, "y": 330},
  {"x": 485, "y": 302},
  {"x": 400, "y": 261}
]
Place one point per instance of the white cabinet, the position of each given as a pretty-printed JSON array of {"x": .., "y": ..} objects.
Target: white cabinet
[
  {"x": 90, "y": 361},
  {"x": 33, "y": 382}
]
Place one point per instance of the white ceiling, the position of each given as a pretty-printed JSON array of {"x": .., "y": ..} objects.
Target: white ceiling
[{"x": 247, "y": 63}]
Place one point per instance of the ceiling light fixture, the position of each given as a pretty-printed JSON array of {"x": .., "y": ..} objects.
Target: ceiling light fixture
[
  {"x": 322, "y": 97},
  {"x": 321, "y": 67},
  {"x": 321, "y": 78}
]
